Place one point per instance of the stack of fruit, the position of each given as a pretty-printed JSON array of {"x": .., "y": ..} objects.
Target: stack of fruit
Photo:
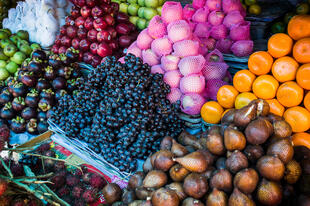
[
  {"x": 27, "y": 99},
  {"x": 247, "y": 161},
  {"x": 15, "y": 49},
  {"x": 141, "y": 11},
  {"x": 281, "y": 76},
  {"x": 97, "y": 29},
  {"x": 301, "y": 8},
  {"x": 121, "y": 111}
]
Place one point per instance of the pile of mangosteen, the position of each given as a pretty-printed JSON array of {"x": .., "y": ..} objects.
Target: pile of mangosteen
[{"x": 26, "y": 100}]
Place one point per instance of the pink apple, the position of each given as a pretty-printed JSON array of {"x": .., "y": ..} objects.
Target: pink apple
[
  {"x": 85, "y": 11},
  {"x": 96, "y": 12},
  {"x": 79, "y": 22},
  {"x": 71, "y": 31},
  {"x": 88, "y": 24},
  {"x": 92, "y": 35},
  {"x": 87, "y": 57}
]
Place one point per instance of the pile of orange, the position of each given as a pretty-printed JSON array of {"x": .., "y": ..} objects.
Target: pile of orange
[{"x": 280, "y": 75}]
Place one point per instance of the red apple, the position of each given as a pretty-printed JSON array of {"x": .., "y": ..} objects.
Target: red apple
[
  {"x": 104, "y": 50},
  {"x": 75, "y": 43},
  {"x": 115, "y": 7},
  {"x": 123, "y": 28},
  {"x": 131, "y": 26},
  {"x": 71, "y": 31},
  {"x": 122, "y": 18},
  {"x": 75, "y": 12},
  {"x": 88, "y": 24},
  {"x": 58, "y": 39},
  {"x": 79, "y": 22},
  {"x": 113, "y": 44},
  {"x": 109, "y": 19},
  {"x": 95, "y": 60},
  {"x": 103, "y": 36},
  {"x": 87, "y": 57},
  {"x": 107, "y": 9},
  {"x": 84, "y": 45},
  {"x": 63, "y": 30},
  {"x": 91, "y": 3},
  {"x": 112, "y": 32},
  {"x": 65, "y": 41},
  {"x": 55, "y": 49},
  {"x": 80, "y": 3},
  {"x": 69, "y": 20},
  {"x": 85, "y": 11},
  {"x": 93, "y": 48},
  {"x": 96, "y": 12},
  {"x": 62, "y": 50},
  {"x": 124, "y": 41},
  {"x": 82, "y": 33},
  {"x": 92, "y": 35},
  {"x": 99, "y": 24}
]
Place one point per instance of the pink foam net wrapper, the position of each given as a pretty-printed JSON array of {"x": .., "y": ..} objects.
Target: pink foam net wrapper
[
  {"x": 191, "y": 103},
  {"x": 191, "y": 65},
  {"x": 194, "y": 83},
  {"x": 186, "y": 48},
  {"x": 157, "y": 28},
  {"x": 157, "y": 69},
  {"x": 202, "y": 30},
  {"x": 171, "y": 11},
  {"x": 212, "y": 88},
  {"x": 179, "y": 30},
  {"x": 198, "y": 3},
  {"x": 224, "y": 45},
  {"x": 188, "y": 12},
  {"x": 150, "y": 57},
  {"x": 214, "y": 70},
  {"x": 169, "y": 62},
  {"x": 144, "y": 40},
  {"x": 174, "y": 95},
  {"x": 162, "y": 46},
  {"x": 240, "y": 31},
  {"x": 172, "y": 78},
  {"x": 201, "y": 15},
  {"x": 215, "y": 56},
  {"x": 134, "y": 49}
]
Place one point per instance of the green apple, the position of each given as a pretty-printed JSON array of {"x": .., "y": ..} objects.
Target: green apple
[
  {"x": 132, "y": 1},
  {"x": 4, "y": 74},
  {"x": 141, "y": 12},
  {"x": 161, "y": 2},
  {"x": 159, "y": 10},
  {"x": 149, "y": 13},
  {"x": 11, "y": 67},
  {"x": 35, "y": 46},
  {"x": 2, "y": 63},
  {"x": 18, "y": 57},
  {"x": 2, "y": 56},
  {"x": 3, "y": 35},
  {"x": 141, "y": 23},
  {"x": 23, "y": 34},
  {"x": 5, "y": 42},
  {"x": 25, "y": 49},
  {"x": 133, "y": 19},
  {"x": 9, "y": 50},
  {"x": 14, "y": 38},
  {"x": 8, "y": 31},
  {"x": 21, "y": 43},
  {"x": 123, "y": 7},
  {"x": 147, "y": 23},
  {"x": 141, "y": 3},
  {"x": 133, "y": 9},
  {"x": 151, "y": 3}
]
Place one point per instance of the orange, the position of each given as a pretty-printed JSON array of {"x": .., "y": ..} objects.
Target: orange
[
  {"x": 298, "y": 27},
  {"x": 275, "y": 107},
  {"x": 307, "y": 101},
  {"x": 260, "y": 62},
  {"x": 298, "y": 117},
  {"x": 301, "y": 139},
  {"x": 290, "y": 94},
  {"x": 243, "y": 80},
  {"x": 301, "y": 50},
  {"x": 280, "y": 45},
  {"x": 265, "y": 86},
  {"x": 244, "y": 99},
  {"x": 211, "y": 112},
  {"x": 226, "y": 96},
  {"x": 284, "y": 69},
  {"x": 303, "y": 76}
]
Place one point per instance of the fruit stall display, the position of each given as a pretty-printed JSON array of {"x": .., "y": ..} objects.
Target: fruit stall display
[
  {"x": 140, "y": 11},
  {"x": 97, "y": 29},
  {"x": 248, "y": 160}
]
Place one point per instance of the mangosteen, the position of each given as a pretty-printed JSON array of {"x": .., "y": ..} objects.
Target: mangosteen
[
  {"x": 42, "y": 126},
  {"x": 20, "y": 74},
  {"x": 54, "y": 61},
  {"x": 39, "y": 54},
  {"x": 32, "y": 126},
  {"x": 45, "y": 104},
  {"x": 18, "y": 104},
  {"x": 47, "y": 93},
  {"x": 32, "y": 98},
  {"x": 65, "y": 72},
  {"x": 19, "y": 89},
  {"x": 5, "y": 96},
  {"x": 72, "y": 55},
  {"x": 28, "y": 113},
  {"x": 42, "y": 84},
  {"x": 59, "y": 94},
  {"x": 59, "y": 83},
  {"x": 7, "y": 112},
  {"x": 42, "y": 115},
  {"x": 35, "y": 67},
  {"x": 25, "y": 64},
  {"x": 29, "y": 79},
  {"x": 49, "y": 73},
  {"x": 18, "y": 125}
]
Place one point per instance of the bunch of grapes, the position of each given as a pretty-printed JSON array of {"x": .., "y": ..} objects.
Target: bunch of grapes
[{"x": 121, "y": 111}]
